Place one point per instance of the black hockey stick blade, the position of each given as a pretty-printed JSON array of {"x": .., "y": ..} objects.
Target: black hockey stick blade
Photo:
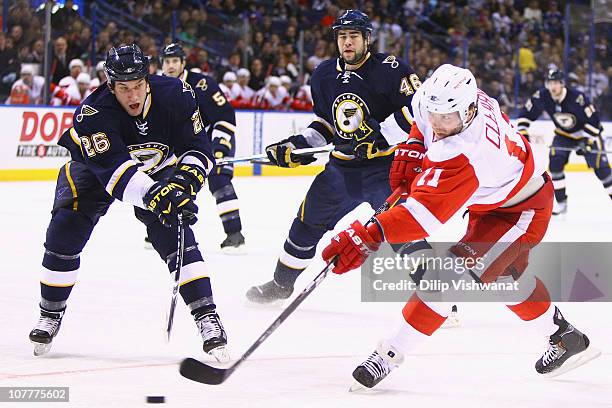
[{"x": 197, "y": 371}]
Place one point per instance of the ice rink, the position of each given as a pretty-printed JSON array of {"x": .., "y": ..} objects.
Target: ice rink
[{"x": 111, "y": 350}]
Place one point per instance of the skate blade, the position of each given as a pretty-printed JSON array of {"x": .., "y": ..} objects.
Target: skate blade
[
  {"x": 235, "y": 251},
  {"x": 451, "y": 323},
  {"x": 220, "y": 354},
  {"x": 356, "y": 386},
  {"x": 275, "y": 304},
  {"x": 41, "y": 348},
  {"x": 575, "y": 362}
]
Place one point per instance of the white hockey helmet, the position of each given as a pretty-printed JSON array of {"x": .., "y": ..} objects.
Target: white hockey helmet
[
  {"x": 273, "y": 81},
  {"x": 229, "y": 76},
  {"x": 450, "y": 89},
  {"x": 243, "y": 72},
  {"x": 83, "y": 78}
]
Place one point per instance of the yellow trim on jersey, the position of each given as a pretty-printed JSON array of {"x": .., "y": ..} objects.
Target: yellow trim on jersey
[
  {"x": 226, "y": 125},
  {"x": 228, "y": 211},
  {"x": 324, "y": 123},
  {"x": 406, "y": 112},
  {"x": 290, "y": 267},
  {"x": 110, "y": 191},
  {"x": 75, "y": 204},
  {"x": 381, "y": 153},
  {"x": 56, "y": 285},
  {"x": 147, "y": 103},
  {"x": 74, "y": 136},
  {"x": 193, "y": 279},
  {"x": 566, "y": 134},
  {"x": 183, "y": 76},
  {"x": 302, "y": 210}
]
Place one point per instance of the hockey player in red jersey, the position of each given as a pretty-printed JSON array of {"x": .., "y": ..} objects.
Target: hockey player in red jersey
[{"x": 470, "y": 157}]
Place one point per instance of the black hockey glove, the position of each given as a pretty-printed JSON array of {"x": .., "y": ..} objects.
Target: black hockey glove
[
  {"x": 280, "y": 153},
  {"x": 190, "y": 177},
  {"x": 221, "y": 147},
  {"x": 167, "y": 199},
  {"x": 364, "y": 139}
]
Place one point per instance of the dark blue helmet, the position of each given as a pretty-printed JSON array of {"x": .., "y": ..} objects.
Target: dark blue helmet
[
  {"x": 554, "y": 74},
  {"x": 353, "y": 20},
  {"x": 126, "y": 63},
  {"x": 172, "y": 50}
]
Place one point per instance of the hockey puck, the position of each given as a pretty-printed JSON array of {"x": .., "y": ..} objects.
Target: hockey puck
[{"x": 154, "y": 399}]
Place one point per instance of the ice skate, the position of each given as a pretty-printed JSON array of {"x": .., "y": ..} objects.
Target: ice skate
[
  {"x": 376, "y": 367},
  {"x": 568, "y": 349},
  {"x": 234, "y": 244},
  {"x": 560, "y": 208},
  {"x": 213, "y": 334},
  {"x": 452, "y": 321},
  {"x": 45, "y": 330},
  {"x": 268, "y": 293}
]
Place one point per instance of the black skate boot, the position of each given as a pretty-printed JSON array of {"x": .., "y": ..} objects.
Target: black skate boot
[
  {"x": 213, "y": 334},
  {"x": 45, "y": 330},
  {"x": 234, "y": 244},
  {"x": 268, "y": 293},
  {"x": 568, "y": 349},
  {"x": 380, "y": 363}
]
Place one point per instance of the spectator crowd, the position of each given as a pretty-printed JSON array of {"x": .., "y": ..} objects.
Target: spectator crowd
[{"x": 263, "y": 52}]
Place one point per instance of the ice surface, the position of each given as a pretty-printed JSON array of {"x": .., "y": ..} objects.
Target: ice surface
[{"x": 111, "y": 350}]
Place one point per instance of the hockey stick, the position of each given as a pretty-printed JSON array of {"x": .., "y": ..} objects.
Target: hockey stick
[
  {"x": 309, "y": 150},
  {"x": 570, "y": 149},
  {"x": 203, "y": 373},
  {"x": 177, "y": 274}
]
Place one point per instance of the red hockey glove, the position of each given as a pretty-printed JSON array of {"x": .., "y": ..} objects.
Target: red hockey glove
[
  {"x": 406, "y": 165},
  {"x": 352, "y": 247}
]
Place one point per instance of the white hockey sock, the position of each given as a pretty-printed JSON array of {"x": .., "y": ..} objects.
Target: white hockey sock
[{"x": 406, "y": 338}]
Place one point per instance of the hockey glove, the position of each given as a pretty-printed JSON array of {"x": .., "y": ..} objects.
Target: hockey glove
[
  {"x": 167, "y": 199},
  {"x": 280, "y": 154},
  {"x": 406, "y": 165},
  {"x": 221, "y": 147},
  {"x": 364, "y": 139},
  {"x": 351, "y": 247},
  {"x": 190, "y": 177},
  {"x": 584, "y": 147}
]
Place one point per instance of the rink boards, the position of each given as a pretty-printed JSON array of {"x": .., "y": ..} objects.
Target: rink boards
[{"x": 29, "y": 136}]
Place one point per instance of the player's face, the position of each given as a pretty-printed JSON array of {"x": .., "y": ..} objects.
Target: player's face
[
  {"x": 445, "y": 124},
  {"x": 555, "y": 87},
  {"x": 173, "y": 66},
  {"x": 131, "y": 95},
  {"x": 352, "y": 45}
]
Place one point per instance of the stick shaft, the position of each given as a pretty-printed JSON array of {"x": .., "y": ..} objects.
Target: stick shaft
[
  {"x": 309, "y": 150},
  {"x": 177, "y": 274}
]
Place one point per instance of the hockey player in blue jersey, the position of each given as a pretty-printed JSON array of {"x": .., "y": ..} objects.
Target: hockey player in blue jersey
[
  {"x": 137, "y": 139},
  {"x": 219, "y": 119},
  {"x": 362, "y": 106},
  {"x": 577, "y": 126}
]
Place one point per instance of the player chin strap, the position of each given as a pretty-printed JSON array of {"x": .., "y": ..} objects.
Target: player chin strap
[{"x": 467, "y": 123}]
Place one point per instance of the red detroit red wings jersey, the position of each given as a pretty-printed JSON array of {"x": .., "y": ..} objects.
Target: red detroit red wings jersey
[{"x": 480, "y": 168}]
